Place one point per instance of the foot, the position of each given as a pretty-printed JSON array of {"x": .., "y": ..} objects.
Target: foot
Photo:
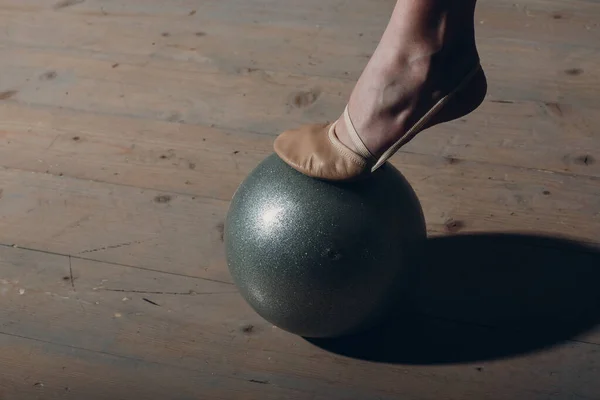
[
  {"x": 395, "y": 92},
  {"x": 425, "y": 71}
]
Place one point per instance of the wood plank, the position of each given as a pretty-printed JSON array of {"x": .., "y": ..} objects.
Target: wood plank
[
  {"x": 550, "y": 132},
  {"x": 552, "y": 120},
  {"x": 313, "y": 46},
  {"x": 551, "y": 137},
  {"x": 507, "y": 61},
  {"x": 143, "y": 228},
  {"x": 572, "y": 23},
  {"x": 34, "y": 369},
  {"x": 200, "y": 98},
  {"x": 89, "y": 327},
  {"x": 174, "y": 157},
  {"x": 114, "y": 117},
  {"x": 182, "y": 233}
]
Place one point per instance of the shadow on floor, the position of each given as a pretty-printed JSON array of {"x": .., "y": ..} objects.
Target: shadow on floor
[{"x": 483, "y": 297}]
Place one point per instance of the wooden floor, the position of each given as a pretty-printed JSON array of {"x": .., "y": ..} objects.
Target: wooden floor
[{"x": 126, "y": 126}]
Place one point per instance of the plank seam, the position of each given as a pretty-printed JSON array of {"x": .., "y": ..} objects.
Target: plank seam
[{"x": 114, "y": 263}]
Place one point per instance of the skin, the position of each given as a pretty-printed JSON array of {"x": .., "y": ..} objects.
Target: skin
[{"x": 427, "y": 47}]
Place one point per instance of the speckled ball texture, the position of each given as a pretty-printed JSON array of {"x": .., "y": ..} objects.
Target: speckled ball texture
[{"x": 321, "y": 259}]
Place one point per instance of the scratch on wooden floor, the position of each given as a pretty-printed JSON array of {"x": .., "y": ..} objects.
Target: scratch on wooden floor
[
  {"x": 79, "y": 301},
  {"x": 66, "y": 3},
  {"x": 71, "y": 273},
  {"x": 114, "y": 246},
  {"x": 261, "y": 382},
  {"x": 59, "y": 296},
  {"x": 73, "y": 224},
  {"x": 188, "y": 293},
  {"x": 151, "y": 302},
  {"x": 52, "y": 142}
]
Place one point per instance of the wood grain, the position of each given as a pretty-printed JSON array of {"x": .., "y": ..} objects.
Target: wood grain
[
  {"x": 116, "y": 223},
  {"x": 574, "y": 23},
  {"x": 551, "y": 137},
  {"x": 125, "y": 128},
  {"x": 572, "y": 80},
  {"x": 548, "y": 126},
  {"x": 97, "y": 335},
  {"x": 182, "y": 232},
  {"x": 36, "y": 369}
]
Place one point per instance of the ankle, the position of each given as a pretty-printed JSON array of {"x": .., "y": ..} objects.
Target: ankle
[{"x": 428, "y": 27}]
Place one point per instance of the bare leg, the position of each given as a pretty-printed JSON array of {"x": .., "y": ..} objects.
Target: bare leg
[
  {"x": 427, "y": 46},
  {"x": 425, "y": 52}
]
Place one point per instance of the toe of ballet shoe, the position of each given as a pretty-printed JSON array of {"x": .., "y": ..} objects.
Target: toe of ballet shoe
[{"x": 314, "y": 150}]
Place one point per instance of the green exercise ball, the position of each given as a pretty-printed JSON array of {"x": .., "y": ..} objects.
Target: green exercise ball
[{"x": 321, "y": 259}]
